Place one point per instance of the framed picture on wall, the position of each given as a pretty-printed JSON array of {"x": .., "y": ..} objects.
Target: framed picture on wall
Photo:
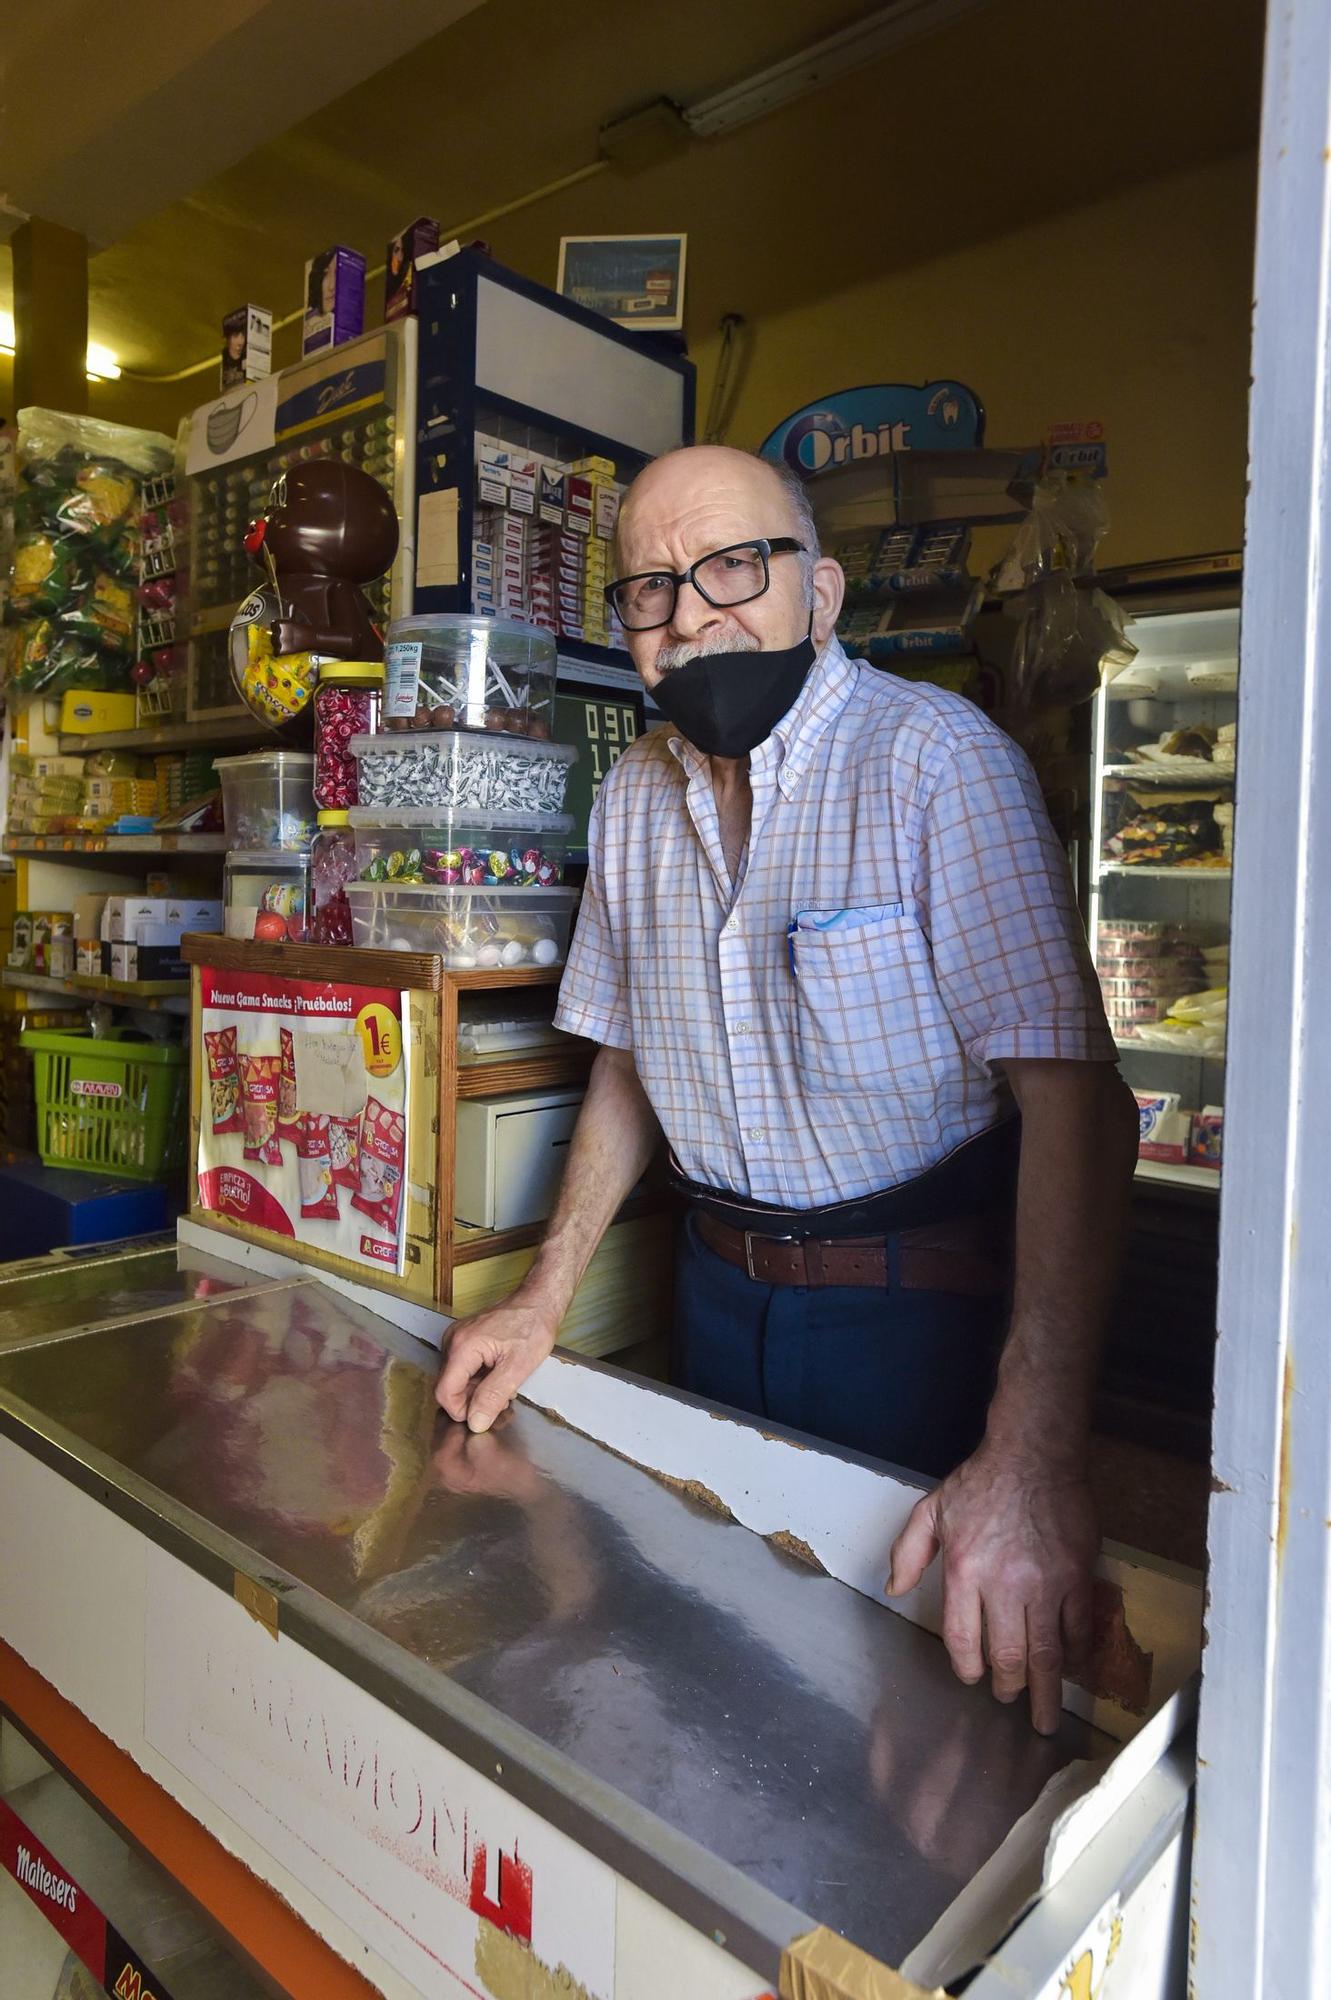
[{"x": 633, "y": 280}]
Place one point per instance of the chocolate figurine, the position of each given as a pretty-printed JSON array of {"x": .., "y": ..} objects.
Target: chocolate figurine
[{"x": 328, "y": 529}]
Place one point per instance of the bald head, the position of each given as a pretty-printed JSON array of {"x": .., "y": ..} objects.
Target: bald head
[
  {"x": 708, "y": 497},
  {"x": 724, "y": 474}
]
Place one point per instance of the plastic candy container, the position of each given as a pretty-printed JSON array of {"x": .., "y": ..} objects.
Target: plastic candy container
[
  {"x": 456, "y": 771},
  {"x": 268, "y": 798},
  {"x": 453, "y": 671},
  {"x": 267, "y": 895},
  {"x": 487, "y": 930},
  {"x": 333, "y": 863},
  {"x": 466, "y": 851},
  {"x": 346, "y": 704}
]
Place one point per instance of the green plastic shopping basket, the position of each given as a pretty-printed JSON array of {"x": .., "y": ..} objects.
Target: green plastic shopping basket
[{"x": 109, "y": 1104}]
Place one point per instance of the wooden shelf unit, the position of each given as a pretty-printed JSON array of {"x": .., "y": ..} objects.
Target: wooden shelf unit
[{"x": 437, "y": 1248}]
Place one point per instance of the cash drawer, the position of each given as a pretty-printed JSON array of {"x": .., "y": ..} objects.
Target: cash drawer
[{"x": 511, "y": 1152}]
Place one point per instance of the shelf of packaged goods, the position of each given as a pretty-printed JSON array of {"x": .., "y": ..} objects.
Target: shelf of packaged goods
[
  {"x": 1204, "y": 776},
  {"x": 170, "y": 996},
  {"x": 115, "y": 844},
  {"x": 1179, "y": 872},
  {"x": 1170, "y": 1175},
  {"x": 170, "y": 736}
]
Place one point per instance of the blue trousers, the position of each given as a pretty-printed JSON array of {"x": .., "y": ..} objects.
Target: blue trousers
[{"x": 902, "y": 1375}]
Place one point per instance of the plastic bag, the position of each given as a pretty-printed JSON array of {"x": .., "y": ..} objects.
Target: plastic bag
[
  {"x": 1071, "y": 636},
  {"x": 76, "y": 551}
]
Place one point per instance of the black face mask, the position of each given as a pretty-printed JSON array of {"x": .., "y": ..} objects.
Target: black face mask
[{"x": 729, "y": 703}]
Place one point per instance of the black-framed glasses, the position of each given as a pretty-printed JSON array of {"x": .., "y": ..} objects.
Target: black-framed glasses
[{"x": 733, "y": 575}]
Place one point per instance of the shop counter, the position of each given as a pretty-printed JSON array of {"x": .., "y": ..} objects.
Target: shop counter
[{"x": 605, "y": 1703}]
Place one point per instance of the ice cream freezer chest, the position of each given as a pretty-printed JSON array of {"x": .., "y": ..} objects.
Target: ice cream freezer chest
[{"x": 606, "y": 1703}]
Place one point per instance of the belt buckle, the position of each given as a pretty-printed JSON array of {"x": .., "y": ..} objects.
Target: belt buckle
[{"x": 749, "y": 1235}]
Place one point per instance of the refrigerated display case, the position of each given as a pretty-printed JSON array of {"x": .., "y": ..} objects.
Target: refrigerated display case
[
  {"x": 1165, "y": 739},
  {"x": 356, "y": 403}
]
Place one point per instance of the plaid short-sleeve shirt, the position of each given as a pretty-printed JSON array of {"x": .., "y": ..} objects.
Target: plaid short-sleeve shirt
[{"x": 903, "y": 919}]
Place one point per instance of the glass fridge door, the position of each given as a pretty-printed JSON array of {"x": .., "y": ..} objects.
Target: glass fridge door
[{"x": 1165, "y": 741}]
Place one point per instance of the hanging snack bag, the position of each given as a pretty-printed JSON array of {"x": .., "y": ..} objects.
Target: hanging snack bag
[
  {"x": 258, "y": 1098},
  {"x": 45, "y": 573},
  {"x": 287, "y": 1114},
  {"x": 344, "y": 1151},
  {"x": 383, "y": 1155},
  {"x": 224, "y": 1079},
  {"x": 314, "y": 1165}
]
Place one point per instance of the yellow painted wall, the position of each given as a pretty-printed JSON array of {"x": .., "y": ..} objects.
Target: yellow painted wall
[{"x": 1135, "y": 310}]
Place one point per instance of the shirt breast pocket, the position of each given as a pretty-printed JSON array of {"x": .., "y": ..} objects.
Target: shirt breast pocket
[{"x": 869, "y": 1016}]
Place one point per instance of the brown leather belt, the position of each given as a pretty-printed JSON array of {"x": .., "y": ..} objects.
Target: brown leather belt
[{"x": 960, "y": 1256}]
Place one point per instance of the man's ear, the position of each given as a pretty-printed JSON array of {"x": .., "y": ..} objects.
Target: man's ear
[{"x": 829, "y": 588}]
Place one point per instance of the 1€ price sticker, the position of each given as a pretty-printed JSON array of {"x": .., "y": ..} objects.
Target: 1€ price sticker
[{"x": 380, "y": 1034}]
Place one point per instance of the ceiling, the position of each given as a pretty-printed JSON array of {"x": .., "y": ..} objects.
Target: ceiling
[{"x": 1023, "y": 108}]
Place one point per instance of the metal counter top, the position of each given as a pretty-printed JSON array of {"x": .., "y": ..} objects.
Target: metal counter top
[
  {"x": 674, "y": 1663},
  {"x": 64, "y": 1293}
]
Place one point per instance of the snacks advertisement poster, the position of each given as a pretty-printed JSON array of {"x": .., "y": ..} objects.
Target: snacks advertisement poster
[{"x": 303, "y": 1121}]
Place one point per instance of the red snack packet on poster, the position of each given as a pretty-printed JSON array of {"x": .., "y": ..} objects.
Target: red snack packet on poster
[
  {"x": 383, "y": 1158},
  {"x": 314, "y": 1166},
  {"x": 287, "y": 1114},
  {"x": 223, "y": 1079},
  {"x": 344, "y": 1151},
  {"x": 258, "y": 1102}
]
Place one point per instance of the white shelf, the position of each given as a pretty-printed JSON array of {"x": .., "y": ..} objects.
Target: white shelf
[
  {"x": 1179, "y": 1176},
  {"x": 78, "y": 992},
  {"x": 117, "y": 843},
  {"x": 1135, "y": 1048},
  {"x": 1205, "y": 777},
  {"x": 1174, "y": 874},
  {"x": 170, "y": 736}
]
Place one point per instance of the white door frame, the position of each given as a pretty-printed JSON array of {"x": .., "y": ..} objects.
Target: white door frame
[{"x": 1261, "y": 1883}]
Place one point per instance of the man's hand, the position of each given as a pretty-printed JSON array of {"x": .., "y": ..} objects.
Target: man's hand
[
  {"x": 1018, "y": 1541},
  {"x": 489, "y": 1358}
]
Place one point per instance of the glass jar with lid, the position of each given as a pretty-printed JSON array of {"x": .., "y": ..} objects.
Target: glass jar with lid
[
  {"x": 347, "y": 703},
  {"x": 333, "y": 863}
]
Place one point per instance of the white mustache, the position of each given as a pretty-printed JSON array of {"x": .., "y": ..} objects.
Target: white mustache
[{"x": 670, "y": 657}]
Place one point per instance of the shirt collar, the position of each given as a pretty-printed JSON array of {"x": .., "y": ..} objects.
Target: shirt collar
[{"x": 796, "y": 736}]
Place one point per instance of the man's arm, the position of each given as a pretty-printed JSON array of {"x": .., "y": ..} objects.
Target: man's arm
[
  {"x": 1015, "y": 1524},
  {"x": 491, "y": 1355}
]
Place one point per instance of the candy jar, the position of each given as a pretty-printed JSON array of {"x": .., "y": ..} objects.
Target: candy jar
[
  {"x": 346, "y": 703},
  {"x": 332, "y": 866}
]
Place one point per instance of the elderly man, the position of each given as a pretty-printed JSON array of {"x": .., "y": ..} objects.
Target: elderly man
[{"x": 829, "y": 947}]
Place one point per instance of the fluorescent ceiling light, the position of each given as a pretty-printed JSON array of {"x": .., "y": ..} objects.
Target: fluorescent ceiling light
[
  {"x": 101, "y": 363},
  {"x": 864, "y": 42}
]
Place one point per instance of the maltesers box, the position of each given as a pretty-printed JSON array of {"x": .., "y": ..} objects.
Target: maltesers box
[
  {"x": 404, "y": 252},
  {"x": 247, "y": 345},
  {"x": 334, "y": 299}
]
